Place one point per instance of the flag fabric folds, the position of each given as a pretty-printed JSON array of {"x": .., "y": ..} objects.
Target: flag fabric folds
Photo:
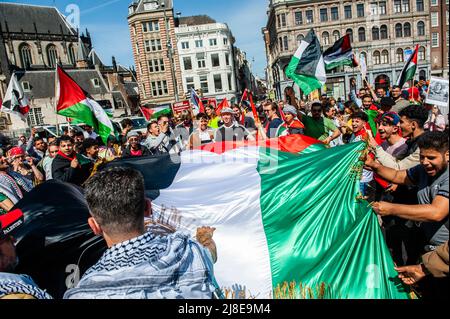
[
  {"x": 340, "y": 54},
  {"x": 307, "y": 67},
  {"x": 73, "y": 102},
  {"x": 409, "y": 70},
  {"x": 15, "y": 101},
  {"x": 154, "y": 113},
  {"x": 197, "y": 102}
]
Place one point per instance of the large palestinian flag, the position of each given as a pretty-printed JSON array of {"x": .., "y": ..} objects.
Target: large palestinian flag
[
  {"x": 339, "y": 54},
  {"x": 409, "y": 70},
  {"x": 307, "y": 68},
  {"x": 74, "y": 103},
  {"x": 280, "y": 216}
]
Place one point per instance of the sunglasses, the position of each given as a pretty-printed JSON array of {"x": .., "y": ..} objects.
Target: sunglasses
[{"x": 133, "y": 139}]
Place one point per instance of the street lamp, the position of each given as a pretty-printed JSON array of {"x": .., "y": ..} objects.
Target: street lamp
[{"x": 170, "y": 53}]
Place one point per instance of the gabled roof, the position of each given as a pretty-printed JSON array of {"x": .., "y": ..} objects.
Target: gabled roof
[{"x": 20, "y": 17}]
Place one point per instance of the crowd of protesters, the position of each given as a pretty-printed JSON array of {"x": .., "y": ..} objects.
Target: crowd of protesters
[{"x": 405, "y": 178}]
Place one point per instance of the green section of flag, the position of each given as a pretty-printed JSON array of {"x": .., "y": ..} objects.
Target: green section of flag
[
  {"x": 318, "y": 233},
  {"x": 160, "y": 112}
]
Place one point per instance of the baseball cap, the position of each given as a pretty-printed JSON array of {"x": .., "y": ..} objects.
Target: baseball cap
[
  {"x": 391, "y": 118},
  {"x": 132, "y": 134},
  {"x": 226, "y": 110},
  {"x": 10, "y": 221},
  {"x": 16, "y": 151},
  {"x": 290, "y": 109}
]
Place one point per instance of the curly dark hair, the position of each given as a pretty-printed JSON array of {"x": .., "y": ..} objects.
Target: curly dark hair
[
  {"x": 416, "y": 113},
  {"x": 437, "y": 141}
]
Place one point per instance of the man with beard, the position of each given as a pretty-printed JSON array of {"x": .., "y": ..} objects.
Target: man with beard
[
  {"x": 400, "y": 102},
  {"x": 134, "y": 148}
]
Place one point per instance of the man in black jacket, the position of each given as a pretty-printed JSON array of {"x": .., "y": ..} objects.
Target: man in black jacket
[
  {"x": 65, "y": 166},
  {"x": 134, "y": 148}
]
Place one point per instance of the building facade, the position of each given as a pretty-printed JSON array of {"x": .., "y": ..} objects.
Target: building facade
[
  {"x": 32, "y": 40},
  {"x": 206, "y": 57},
  {"x": 439, "y": 24},
  {"x": 152, "y": 30},
  {"x": 384, "y": 32}
]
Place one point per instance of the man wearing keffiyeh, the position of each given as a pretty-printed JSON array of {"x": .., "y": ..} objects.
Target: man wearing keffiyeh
[{"x": 141, "y": 264}]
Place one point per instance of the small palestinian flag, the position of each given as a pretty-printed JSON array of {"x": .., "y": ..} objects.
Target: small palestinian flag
[
  {"x": 307, "y": 68},
  {"x": 409, "y": 70},
  {"x": 341, "y": 53}
]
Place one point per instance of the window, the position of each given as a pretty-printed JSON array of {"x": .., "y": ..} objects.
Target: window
[
  {"x": 230, "y": 84},
  {"x": 376, "y": 57},
  {"x": 374, "y": 8},
  {"x": 215, "y": 60},
  {"x": 96, "y": 82},
  {"x": 323, "y": 15},
  {"x": 52, "y": 55},
  {"x": 150, "y": 26},
  {"x": 375, "y": 33},
  {"x": 325, "y": 38},
  {"x": 399, "y": 55},
  {"x": 26, "y": 86},
  {"x": 212, "y": 42},
  {"x": 71, "y": 52},
  {"x": 147, "y": 45},
  {"x": 281, "y": 43},
  {"x": 198, "y": 43},
  {"x": 382, "y": 8},
  {"x": 421, "y": 53},
  {"x": 434, "y": 40},
  {"x": 35, "y": 117},
  {"x": 201, "y": 62},
  {"x": 185, "y": 45},
  {"x": 298, "y": 18},
  {"x": 300, "y": 37},
  {"x": 420, "y": 28},
  {"x": 350, "y": 33},
  {"x": 419, "y": 5},
  {"x": 360, "y": 10},
  {"x": 407, "y": 29},
  {"x": 348, "y": 12},
  {"x": 278, "y": 21},
  {"x": 398, "y": 30},
  {"x": 225, "y": 41},
  {"x": 363, "y": 56},
  {"x": 334, "y": 13},
  {"x": 309, "y": 16},
  {"x": 190, "y": 83},
  {"x": 397, "y": 6},
  {"x": 137, "y": 47},
  {"x": 434, "y": 19},
  {"x": 155, "y": 45},
  {"x": 286, "y": 43},
  {"x": 283, "y": 19},
  {"x": 383, "y": 32},
  {"x": 361, "y": 34},
  {"x": 434, "y": 2},
  {"x": 204, "y": 83},
  {"x": 159, "y": 88},
  {"x": 405, "y": 5},
  {"x": 156, "y": 65},
  {"x": 227, "y": 59},
  {"x": 187, "y": 62},
  {"x": 218, "y": 82},
  {"x": 336, "y": 35},
  {"x": 25, "y": 56},
  {"x": 385, "y": 57}
]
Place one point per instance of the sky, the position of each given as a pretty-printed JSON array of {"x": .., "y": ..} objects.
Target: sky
[{"x": 106, "y": 21}]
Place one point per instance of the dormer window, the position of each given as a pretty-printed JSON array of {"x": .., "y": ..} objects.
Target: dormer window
[
  {"x": 150, "y": 5},
  {"x": 26, "y": 86},
  {"x": 96, "y": 82}
]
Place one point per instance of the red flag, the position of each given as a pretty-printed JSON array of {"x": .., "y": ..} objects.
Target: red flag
[
  {"x": 222, "y": 104},
  {"x": 255, "y": 114},
  {"x": 146, "y": 113}
]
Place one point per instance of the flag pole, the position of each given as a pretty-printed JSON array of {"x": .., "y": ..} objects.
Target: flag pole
[{"x": 56, "y": 90}]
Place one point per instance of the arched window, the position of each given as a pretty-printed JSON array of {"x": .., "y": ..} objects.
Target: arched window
[
  {"x": 336, "y": 35},
  {"x": 72, "y": 55},
  {"x": 421, "y": 53},
  {"x": 385, "y": 57},
  {"x": 363, "y": 56},
  {"x": 52, "y": 55},
  {"x": 25, "y": 56},
  {"x": 376, "y": 57},
  {"x": 420, "y": 28},
  {"x": 286, "y": 43},
  {"x": 399, "y": 55},
  {"x": 325, "y": 38},
  {"x": 375, "y": 33},
  {"x": 362, "y": 34},
  {"x": 350, "y": 33},
  {"x": 383, "y": 32},
  {"x": 300, "y": 37},
  {"x": 398, "y": 30},
  {"x": 407, "y": 29}
]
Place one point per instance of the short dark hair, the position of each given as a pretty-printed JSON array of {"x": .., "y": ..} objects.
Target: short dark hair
[
  {"x": 367, "y": 96},
  {"x": 149, "y": 125},
  {"x": 327, "y": 107},
  {"x": 118, "y": 209},
  {"x": 435, "y": 140},
  {"x": 161, "y": 116},
  {"x": 415, "y": 113},
  {"x": 202, "y": 116},
  {"x": 65, "y": 138},
  {"x": 87, "y": 143},
  {"x": 37, "y": 139},
  {"x": 126, "y": 122},
  {"x": 396, "y": 87},
  {"x": 360, "y": 115},
  {"x": 79, "y": 133}
]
